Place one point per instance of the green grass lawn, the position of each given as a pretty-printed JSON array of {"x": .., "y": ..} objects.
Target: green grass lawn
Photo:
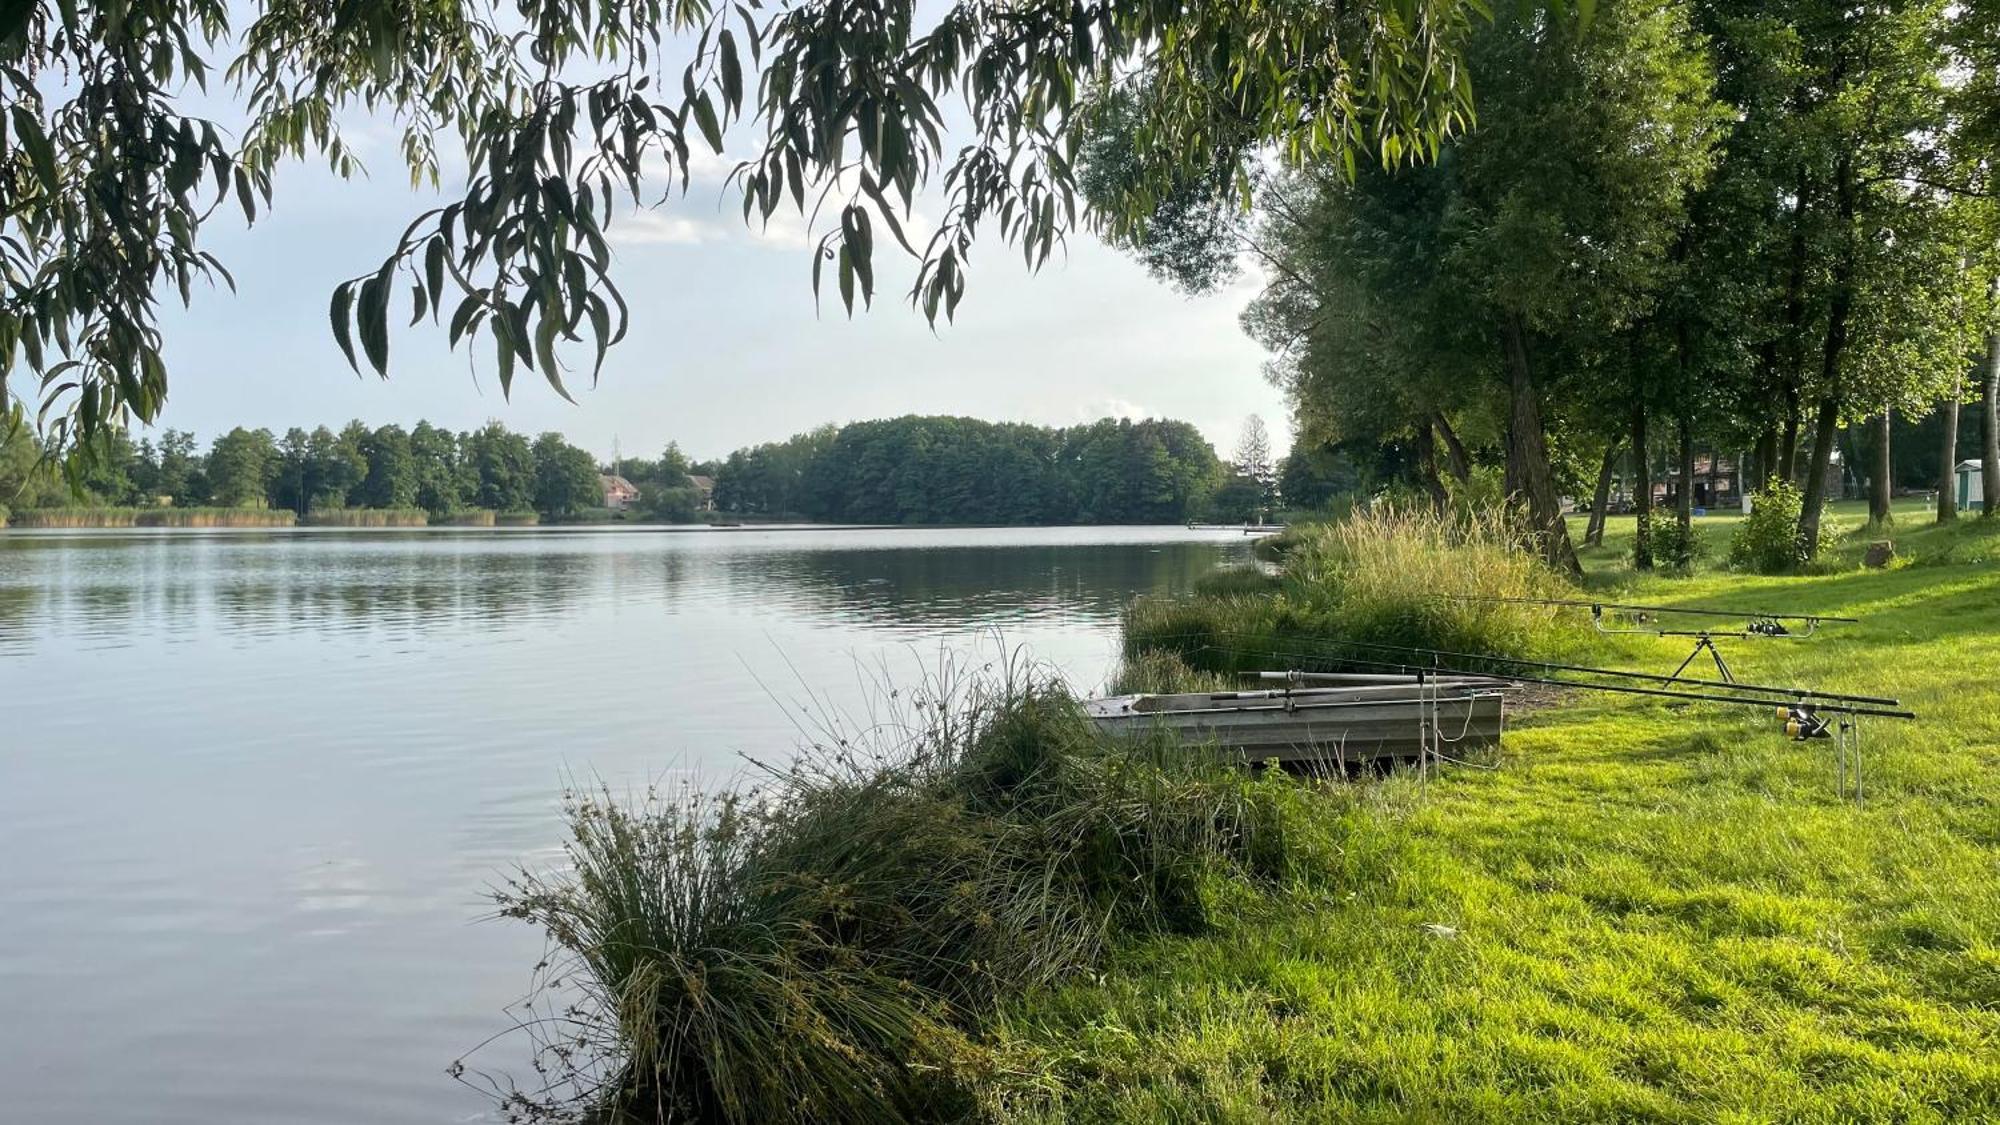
[{"x": 1643, "y": 911}]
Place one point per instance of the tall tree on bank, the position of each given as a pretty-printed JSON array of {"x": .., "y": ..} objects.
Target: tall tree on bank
[
  {"x": 555, "y": 107},
  {"x": 1504, "y": 273}
]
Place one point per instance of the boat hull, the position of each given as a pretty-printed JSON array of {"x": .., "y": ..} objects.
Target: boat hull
[{"x": 1337, "y": 726}]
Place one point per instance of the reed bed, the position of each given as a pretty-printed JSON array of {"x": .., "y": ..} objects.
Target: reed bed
[
  {"x": 368, "y": 517},
  {"x": 1353, "y": 591},
  {"x": 822, "y": 947},
  {"x": 468, "y": 517},
  {"x": 517, "y": 519},
  {"x": 154, "y": 517}
]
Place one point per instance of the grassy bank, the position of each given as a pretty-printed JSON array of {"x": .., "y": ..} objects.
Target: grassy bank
[
  {"x": 1643, "y": 914},
  {"x": 827, "y": 946},
  {"x": 1639, "y": 912},
  {"x": 153, "y": 517}
]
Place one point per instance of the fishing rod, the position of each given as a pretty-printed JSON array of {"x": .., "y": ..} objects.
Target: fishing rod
[
  {"x": 1627, "y": 607},
  {"x": 1584, "y": 669},
  {"x": 1770, "y": 625},
  {"x": 1795, "y": 713}
]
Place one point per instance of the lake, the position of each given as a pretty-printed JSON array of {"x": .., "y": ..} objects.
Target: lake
[{"x": 253, "y": 785}]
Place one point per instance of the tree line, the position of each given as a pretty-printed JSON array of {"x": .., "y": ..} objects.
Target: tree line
[
  {"x": 962, "y": 470},
  {"x": 1680, "y": 224},
  {"x": 919, "y": 470},
  {"x": 385, "y": 467}
]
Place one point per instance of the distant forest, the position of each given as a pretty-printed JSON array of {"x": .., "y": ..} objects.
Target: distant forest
[
  {"x": 962, "y": 470},
  {"x": 912, "y": 469}
]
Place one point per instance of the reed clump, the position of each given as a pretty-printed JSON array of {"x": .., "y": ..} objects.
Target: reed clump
[
  {"x": 823, "y": 948},
  {"x": 517, "y": 519},
  {"x": 465, "y": 517},
  {"x": 154, "y": 517},
  {"x": 367, "y": 517},
  {"x": 1359, "y": 593}
]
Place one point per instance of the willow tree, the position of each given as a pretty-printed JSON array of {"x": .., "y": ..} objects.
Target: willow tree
[{"x": 554, "y": 109}]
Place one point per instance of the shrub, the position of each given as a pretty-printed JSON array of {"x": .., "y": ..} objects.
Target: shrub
[
  {"x": 819, "y": 951},
  {"x": 1677, "y": 548},
  {"x": 1767, "y": 540}
]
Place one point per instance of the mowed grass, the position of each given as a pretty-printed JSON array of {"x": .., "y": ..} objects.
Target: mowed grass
[{"x": 1644, "y": 911}]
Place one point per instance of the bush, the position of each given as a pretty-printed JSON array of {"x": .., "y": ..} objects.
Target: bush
[
  {"x": 1676, "y": 548},
  {"x": 820, "y": 951},
  {"x": 1767, "y": 541}
]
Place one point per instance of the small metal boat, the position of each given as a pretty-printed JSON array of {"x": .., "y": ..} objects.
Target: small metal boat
[{"x": 1352, "y": 720}]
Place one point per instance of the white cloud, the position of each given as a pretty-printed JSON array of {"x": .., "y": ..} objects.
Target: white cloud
[
  {"x": 1110, "y": 406},
  {"x": 653, "y": 228}
]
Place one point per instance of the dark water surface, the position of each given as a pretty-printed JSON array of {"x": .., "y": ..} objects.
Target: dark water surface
[{"x": 253, "y": 784}]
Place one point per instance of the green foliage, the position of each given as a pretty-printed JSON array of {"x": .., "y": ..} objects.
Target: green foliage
[
  {"x": 1381, "y": 577},
  {"x": 961, "y": 470},
  {"x": 822, "y": 949},
  {"x": 556, "y": 108},
  {"x": 566, "y": 480},
  {"x": 1767, "y": 540},
  {"x": 1676, "y": 548},
  {"x": 240, "y": 468},
  {"x": 1635, "y": 899}
]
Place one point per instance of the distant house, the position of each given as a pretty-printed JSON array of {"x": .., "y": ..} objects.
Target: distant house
[
  {"x": 1971, "y": 485},
  {"x": 619, "y": 493},
  {"x": 1716, "y": 483},
  {"x": 704, "y": 488}
]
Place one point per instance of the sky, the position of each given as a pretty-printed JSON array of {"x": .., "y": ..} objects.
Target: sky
[{"x": 726, "y": 348}]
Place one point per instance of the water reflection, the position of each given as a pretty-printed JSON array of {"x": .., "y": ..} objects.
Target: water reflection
[
  {"x": 252, "y": 784},
  {"x": 112, "y": 589}
]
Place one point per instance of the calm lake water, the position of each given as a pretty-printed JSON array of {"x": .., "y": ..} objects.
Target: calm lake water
[{"x": 254, "y": 784}]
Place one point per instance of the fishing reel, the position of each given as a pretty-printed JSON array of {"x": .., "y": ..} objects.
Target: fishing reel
[
  {"x": 1802, "y": 725},
  {"x": 1767, "y": 627}
]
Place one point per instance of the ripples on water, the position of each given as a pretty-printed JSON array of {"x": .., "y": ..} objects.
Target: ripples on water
[{"x": 252, "y": 784}]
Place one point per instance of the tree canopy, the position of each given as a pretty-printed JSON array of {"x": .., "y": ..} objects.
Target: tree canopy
[{"x": 540, "y": 113}]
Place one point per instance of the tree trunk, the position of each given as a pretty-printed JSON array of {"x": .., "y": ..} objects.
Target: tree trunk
[
  {"x": 1795, "y": 321},
  {"x": 1765, "y": 458},
  {"x": 1835, "y": 343},
  {"x": 1427, "y": 468},
  {"x": 1825, "y": 433},
  {"x": 1532, "y": 481},
  {"x": 1600, "y": 502},
  {"x": 1642, "y": 493},
  {"x": 1947, "y": 497},
  {"x": 1879, "y": 484},
  {"x": 1684, "y": 503},
  {"x": 1456, "y": 460},
  {"x": 1788, "y": 443},
  {"x": 1989, "y": 438}
]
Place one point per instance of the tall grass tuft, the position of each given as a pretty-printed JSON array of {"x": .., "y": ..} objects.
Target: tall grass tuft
[
  {"x": 824, "y": 948},
  {"x": 1357, "y": 593},
  {"x": 368, "y": 517}
]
